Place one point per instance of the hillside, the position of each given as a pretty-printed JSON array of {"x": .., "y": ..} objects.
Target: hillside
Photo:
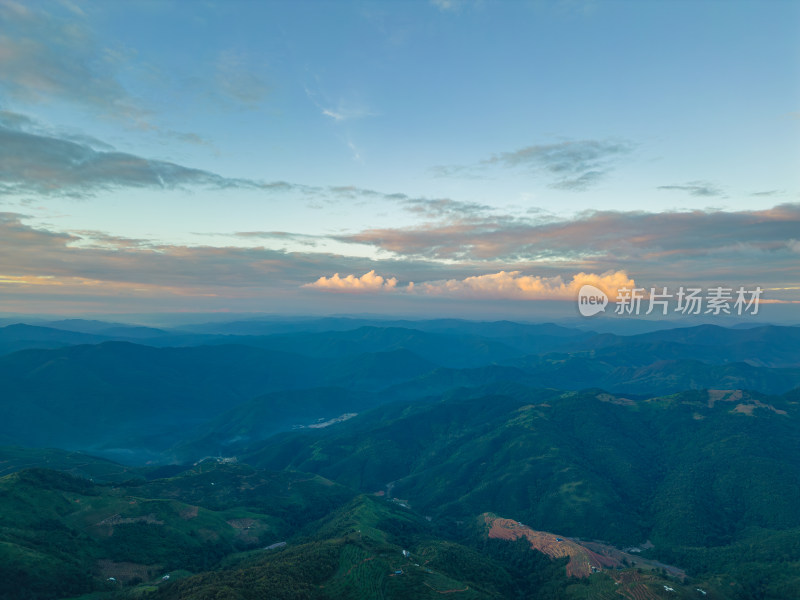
[
  {"x": 133, "y": 402},
  {"x": 61, "y": 535},
  {"x": 632, "y": 462},
  {"x": 696, "y": 469}
]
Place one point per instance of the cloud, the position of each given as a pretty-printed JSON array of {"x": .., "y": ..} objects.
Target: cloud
[
  {"x": 580, "y": 183},
  {"x": 512, "y": 285},
  {"x": 695, "y": 188},
  {"x": 572, "y": 157},
  {"x": 51, "y": 55},
  {"x": 345, "y": 107},
  {"x": 591, "y": 234},
  {"x": 343, "y": 112},
  {"x": 745, "y": 247},
  {"x": 43, "y": 164},
  {"x": 52, "y": 272},
  {"x": 79, "y": 271},
  {"x": 355, "y": 151},
  {"x": 446, "y": 5},
  {"x": 509, "y": 285},
  {"x": 573, "y": 165},
  {"x": 236, "y": 76},
  {"x": 443, "y": 207},
  {"x": 36, "y": 158},
  {"x": 368, "y": 282},
  {"x": 27, "y": 251},
  {"x": 283, "y": 236}
]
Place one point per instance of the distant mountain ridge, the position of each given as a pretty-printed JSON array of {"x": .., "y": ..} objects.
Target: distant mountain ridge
[{"x": 142, "y": 396}]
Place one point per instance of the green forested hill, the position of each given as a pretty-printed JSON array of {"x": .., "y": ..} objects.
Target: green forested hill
[
  {"x": 710, "y": 477},
  {"x": 61, "y": 535},
  {"x": 682, "y": 445},
  {"x": 701, "y": 469}
]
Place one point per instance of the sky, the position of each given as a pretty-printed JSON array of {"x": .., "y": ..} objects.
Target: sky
[{"x": 446, "y": 157}]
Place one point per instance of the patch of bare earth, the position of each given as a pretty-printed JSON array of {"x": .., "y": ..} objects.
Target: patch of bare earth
[
  {"x": 615, "y": 400},
  {"x": 585, "y": 557},
  {"x": 582, "y": 561},
  {"x": 120, "y": 520},
  {"x": 190, "y": 512},
  {"x": 715, "y": 396},
  {"x": 126, "y": 572},
  {"x": 247, "y": 530},
  {"x": 745, "y": 403},
  {"x": 630, "y": 585}
]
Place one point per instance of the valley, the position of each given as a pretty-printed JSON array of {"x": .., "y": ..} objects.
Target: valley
[{"x": 352, "y": 463}]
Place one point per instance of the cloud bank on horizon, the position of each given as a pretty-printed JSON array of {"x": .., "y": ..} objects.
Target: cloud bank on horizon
[
  {"x": 257, "y": 172},
  {"x": 511, "y": 285}
]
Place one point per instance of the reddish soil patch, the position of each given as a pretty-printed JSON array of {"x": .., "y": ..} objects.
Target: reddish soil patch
[
  {"x": 582, "y": 561},
  {"x": 190, "y": 512},
  {"x": 715, "y": 396},
  {"x": 615, "y": 400},
  {"x": 241, "y": 523},
  {"x": 631, "y": 585}
]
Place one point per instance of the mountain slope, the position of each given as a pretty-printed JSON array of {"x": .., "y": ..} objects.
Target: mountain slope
[
  {"x": 61, "y": 535},
  {"x": 589, "y": 464}
]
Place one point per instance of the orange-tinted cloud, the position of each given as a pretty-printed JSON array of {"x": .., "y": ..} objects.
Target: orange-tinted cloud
[
  {"x": 368, "y": 282},
  {"x": 512, "y": 285},
  {"x": 516, "y": 286},
  {"x": 598, "y": 234}
]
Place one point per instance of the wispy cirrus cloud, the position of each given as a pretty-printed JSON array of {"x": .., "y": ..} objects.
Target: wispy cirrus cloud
[
  {"x": 575, "y": 165},
  {"x": 695, "y": 188},
  {"x": 346, "y": 106},
  {"x": 443, "y": 207},
  {"x": 47, "y": 54},
  {"x": 238, "y": 76},
  {"x": 304, "y": 239},
  {"x": 37, "y": 158},
  {"x": 344, "y": 112},
  {"x": 39, "y": 162}
]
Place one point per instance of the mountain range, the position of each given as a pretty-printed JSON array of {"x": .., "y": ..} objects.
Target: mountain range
[{"x": 349, "y": 458}]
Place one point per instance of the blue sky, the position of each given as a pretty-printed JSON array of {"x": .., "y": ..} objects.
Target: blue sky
[{"x": 203, "y": 156}]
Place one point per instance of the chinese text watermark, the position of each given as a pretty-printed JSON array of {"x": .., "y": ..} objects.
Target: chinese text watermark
[{"x": 659, "y": 300}]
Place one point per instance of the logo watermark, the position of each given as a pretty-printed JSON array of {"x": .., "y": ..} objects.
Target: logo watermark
[
  {"x": 685, "y": 300},
  {"x": 591, "y": 300}
]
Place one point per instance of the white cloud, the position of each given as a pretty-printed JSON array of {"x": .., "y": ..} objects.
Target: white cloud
[
  {"x": 515, "y": 286},
  {"x": 511, "y": 285},
  {"x": 368, "y": 282}
]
